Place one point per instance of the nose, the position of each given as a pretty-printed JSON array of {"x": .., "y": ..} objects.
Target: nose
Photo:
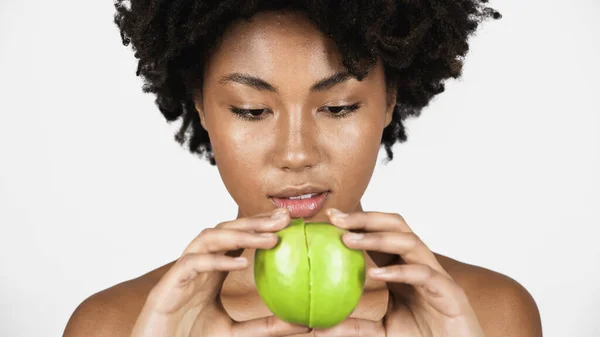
[{"x": 296, "y": 141}]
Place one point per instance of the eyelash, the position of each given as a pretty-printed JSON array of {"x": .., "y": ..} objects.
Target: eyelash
[{"x": 246, "y": 114}]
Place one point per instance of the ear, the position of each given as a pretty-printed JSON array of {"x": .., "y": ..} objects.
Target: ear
[
  {"x": 199, "y": 105},
  {"x": 390, "y": 106}
]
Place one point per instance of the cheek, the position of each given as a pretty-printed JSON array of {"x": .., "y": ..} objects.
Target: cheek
[
  {"x": 236, "y": 145},
  {"x": 237, "y": 153},
  {"x": 234, "y": 142},
  {"x": 354, "y": 149},
  {"x": 357, "y": 143}
]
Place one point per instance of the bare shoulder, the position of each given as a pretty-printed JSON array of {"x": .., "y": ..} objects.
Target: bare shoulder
[
  {"x": 113, "y": 311},
  {"x": 504, "y": 306}
]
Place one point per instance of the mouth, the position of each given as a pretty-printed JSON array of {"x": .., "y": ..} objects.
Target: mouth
[{"x": 301, "y": 202}]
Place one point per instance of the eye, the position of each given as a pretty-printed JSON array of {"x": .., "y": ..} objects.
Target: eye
[
  {"x": 258, "y": 114},
  {"x": 342, "y": 111},
  {"x": 248, "y": 114}
]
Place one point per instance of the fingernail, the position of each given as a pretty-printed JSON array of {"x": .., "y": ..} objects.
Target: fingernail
[
  {"x": 337, "y": 213},
  {"x": 354, "y": 236},
  {"x": 280, "y": 213},
  {"x": 267, "y": 235},
  {"x": 240, "y": 260},
  {"x": 377, "y": 271}
]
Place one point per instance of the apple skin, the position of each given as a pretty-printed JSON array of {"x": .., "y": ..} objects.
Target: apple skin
[{"x": 310, "y": 277}]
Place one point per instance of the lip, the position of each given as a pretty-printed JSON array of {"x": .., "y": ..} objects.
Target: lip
[
  {"x": 294, "y": 191},
  {"x": 302, "y": 208}
]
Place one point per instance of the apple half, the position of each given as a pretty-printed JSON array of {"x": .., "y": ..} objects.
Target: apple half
[{"x": 310, "y": 277}]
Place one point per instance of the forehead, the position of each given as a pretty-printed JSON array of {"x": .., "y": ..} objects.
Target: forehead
[{"x": 275, "y": 45}]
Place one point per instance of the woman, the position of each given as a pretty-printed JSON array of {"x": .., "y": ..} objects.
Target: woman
[{"x": 295, "y": 98}]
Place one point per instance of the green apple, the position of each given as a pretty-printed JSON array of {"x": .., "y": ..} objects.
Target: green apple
[{"x": 310, "y": 277}]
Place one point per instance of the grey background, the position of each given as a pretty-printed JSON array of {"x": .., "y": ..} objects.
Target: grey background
[{"x": 501, "y": 171}]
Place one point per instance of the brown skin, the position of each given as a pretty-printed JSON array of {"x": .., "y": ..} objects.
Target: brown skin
[{"x": 298, "y": 141}]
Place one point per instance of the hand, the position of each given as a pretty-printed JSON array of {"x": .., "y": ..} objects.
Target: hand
[
  {"x": 186, "y": 302},
  {"x": 424, "y": 299}
]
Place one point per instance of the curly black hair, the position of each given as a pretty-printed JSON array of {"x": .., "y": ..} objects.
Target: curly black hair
[{"x": 421, "y": 43}]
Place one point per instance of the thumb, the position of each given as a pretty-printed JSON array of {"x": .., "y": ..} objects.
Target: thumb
[{"x": 269, "y": 326}]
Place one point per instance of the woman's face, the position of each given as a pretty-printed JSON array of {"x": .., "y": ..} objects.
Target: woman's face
[{"x": 291, "y": 137}]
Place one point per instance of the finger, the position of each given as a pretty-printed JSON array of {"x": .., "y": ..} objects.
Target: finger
[
  {"x": 265, "y": 222},
  {"x": 270, "y": 326},
  {"x": 440, "y": 291},
  {"x": 180, "y": 283},
  {"x": 369, "y": 221},
  {"x": 406, "y": 244},
  {"x": 213, "y": 240},
  {"x": 190, "y": 265},
  {"x": 277, "y": 220},
  {"x": 410, "y": 248},
  {"x": 353, "y": 327}
]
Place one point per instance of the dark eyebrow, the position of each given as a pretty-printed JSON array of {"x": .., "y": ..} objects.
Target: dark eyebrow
[
  {"x": 330, "y": 81},
  {"x": 262, "y": 85}
]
